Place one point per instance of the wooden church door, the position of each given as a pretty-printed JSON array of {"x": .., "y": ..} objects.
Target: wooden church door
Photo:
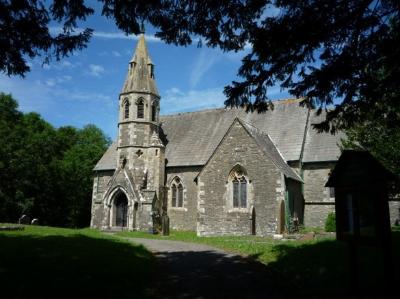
[{"x": 121, "y": 206}]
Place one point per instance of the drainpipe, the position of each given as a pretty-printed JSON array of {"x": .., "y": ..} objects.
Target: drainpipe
[{"x": 301, "y": 161}]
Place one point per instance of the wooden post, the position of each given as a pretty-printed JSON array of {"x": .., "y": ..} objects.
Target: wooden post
[{"x": 353, "y": 268}]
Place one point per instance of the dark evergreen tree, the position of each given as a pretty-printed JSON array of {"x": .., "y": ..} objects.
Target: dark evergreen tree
[{"x": 328, "y": 52}]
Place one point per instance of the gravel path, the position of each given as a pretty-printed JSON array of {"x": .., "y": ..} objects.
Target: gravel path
[{"x": 188, "y": 270}]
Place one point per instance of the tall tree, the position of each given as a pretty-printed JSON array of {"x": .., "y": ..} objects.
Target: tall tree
[
  {"x": 46, "y": 172},
  {"x": 10, "y": 119},
  {"x": 76, "y": 168},
  {"x": 328, "y": 52}
]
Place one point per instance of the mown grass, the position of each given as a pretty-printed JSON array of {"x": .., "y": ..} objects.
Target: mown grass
[
  {"x": 41, "y": 262},
  {"x": 317, "y": 268},
  {"x": 253, "y": 246}
]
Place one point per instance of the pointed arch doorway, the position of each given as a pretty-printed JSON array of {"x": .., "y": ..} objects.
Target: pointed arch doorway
[{"x": 121, "y": 210}]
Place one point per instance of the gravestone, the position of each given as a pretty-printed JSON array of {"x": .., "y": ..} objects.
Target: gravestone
[{"x": 24, "y": 219}]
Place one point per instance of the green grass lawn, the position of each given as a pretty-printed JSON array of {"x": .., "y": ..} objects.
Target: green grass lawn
[
  {"x": 55, "y": 262},
  {"x": 317, "y": 268}
]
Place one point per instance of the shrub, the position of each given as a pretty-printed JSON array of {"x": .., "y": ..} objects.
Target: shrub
[{"x": 330, "y": 222}]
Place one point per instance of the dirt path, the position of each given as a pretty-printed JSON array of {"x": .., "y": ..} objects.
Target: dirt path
[{"x": 188, "y": 270}]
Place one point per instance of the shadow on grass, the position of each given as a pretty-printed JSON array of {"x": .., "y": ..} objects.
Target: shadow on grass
[
  {"x": 211, "y": 274},
  {"x": 73, "y": 266},
  {"x": 321, "y": 269}
]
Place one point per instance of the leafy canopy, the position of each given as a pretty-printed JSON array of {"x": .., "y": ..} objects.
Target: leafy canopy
[
  {"x": 46, "y": 172},
  {"x": 343, "y": 53}
]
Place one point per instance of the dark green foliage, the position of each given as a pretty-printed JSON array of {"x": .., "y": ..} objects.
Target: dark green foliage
[
  {"x": 330, "y": 223},
  {"x": 46, "y": 172},
  {"x": 378, "y": 137},
  {"x": 323, "y": 51},
  {"x": 25, "y": 31}
]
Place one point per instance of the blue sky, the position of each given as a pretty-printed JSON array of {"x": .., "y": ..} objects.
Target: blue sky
[{"x": 83, "y": 89}]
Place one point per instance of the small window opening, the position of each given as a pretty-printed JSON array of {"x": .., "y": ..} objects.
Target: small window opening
[
  {"x": 153, "y": 112},
  {"x": 151, "y": 71},
  {"x": 331, "y": 192},
  {"x": 126, "y": 110},
  {"x": 140, "y": 109}
]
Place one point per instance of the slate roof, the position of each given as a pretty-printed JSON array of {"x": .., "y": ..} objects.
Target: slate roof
[
  {"x": 193, "y": 136},
  {"x": 269, "y": 148},
  {"x": 321, "y": 146},
  {"x": 109, "y": 160}
]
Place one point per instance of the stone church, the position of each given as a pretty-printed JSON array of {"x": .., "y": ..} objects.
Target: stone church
[{"x": 217, "y": 171}]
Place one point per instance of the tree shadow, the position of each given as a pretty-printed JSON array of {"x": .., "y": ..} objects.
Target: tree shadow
[
  {"x": 73, "y": 266},
  {"x": 211, "y": 274},
  {"x": 321, "y": 269},
  {"x": 309, "y": 270}
]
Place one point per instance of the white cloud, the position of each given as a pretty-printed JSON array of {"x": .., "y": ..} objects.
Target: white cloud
[
  {"x": 109, "y": 35},
  {"x": 174, "y": 100},
  {"x": 204, "y": 62},
  {"x": 50, "y": 82},
  {"x": 120, "y": 35},
  {"x": 59, "y": 65},
  {"x": 57, "y": 80},
  {"x": 96, "y": 70},
  {"x": 112, "y": 53},
  {"x": 43, "y": 97}
]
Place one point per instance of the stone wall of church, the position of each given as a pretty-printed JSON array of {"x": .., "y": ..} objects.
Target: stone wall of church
[
  {"x": 184, "y": 218},
  {"x": 394, "y": 210},
  {"x": 317, "y": 199},
  {"x": 100, "y": 182},
  {"x": 265, "y": 189}
]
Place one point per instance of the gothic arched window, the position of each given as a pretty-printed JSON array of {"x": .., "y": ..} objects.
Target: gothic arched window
[
  {"x": 140, "y": 108},
  {"x": 126, "y": 109},
  {"x": 239, "y": 182},
  {"x": 177, "y": 193}
]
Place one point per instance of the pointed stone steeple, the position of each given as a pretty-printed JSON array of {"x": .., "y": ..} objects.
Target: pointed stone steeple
[{"x": 140, "y": 76}]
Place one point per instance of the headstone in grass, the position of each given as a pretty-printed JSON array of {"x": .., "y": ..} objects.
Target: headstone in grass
[{"x": 24, "y": 219}]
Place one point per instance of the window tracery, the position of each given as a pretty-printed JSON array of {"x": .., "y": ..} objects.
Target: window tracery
[
  {"x": 239, "y": 183},
  {"x": 177, "y": 193}
]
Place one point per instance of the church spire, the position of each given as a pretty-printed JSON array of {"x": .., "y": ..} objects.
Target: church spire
[{"x": 140, "y": 77}]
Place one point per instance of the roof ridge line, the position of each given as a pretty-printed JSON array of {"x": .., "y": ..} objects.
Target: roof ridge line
[{"x": 277, "y": 101}]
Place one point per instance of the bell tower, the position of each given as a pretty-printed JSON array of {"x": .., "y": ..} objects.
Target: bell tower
[{"x": 140, "y": 151}]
